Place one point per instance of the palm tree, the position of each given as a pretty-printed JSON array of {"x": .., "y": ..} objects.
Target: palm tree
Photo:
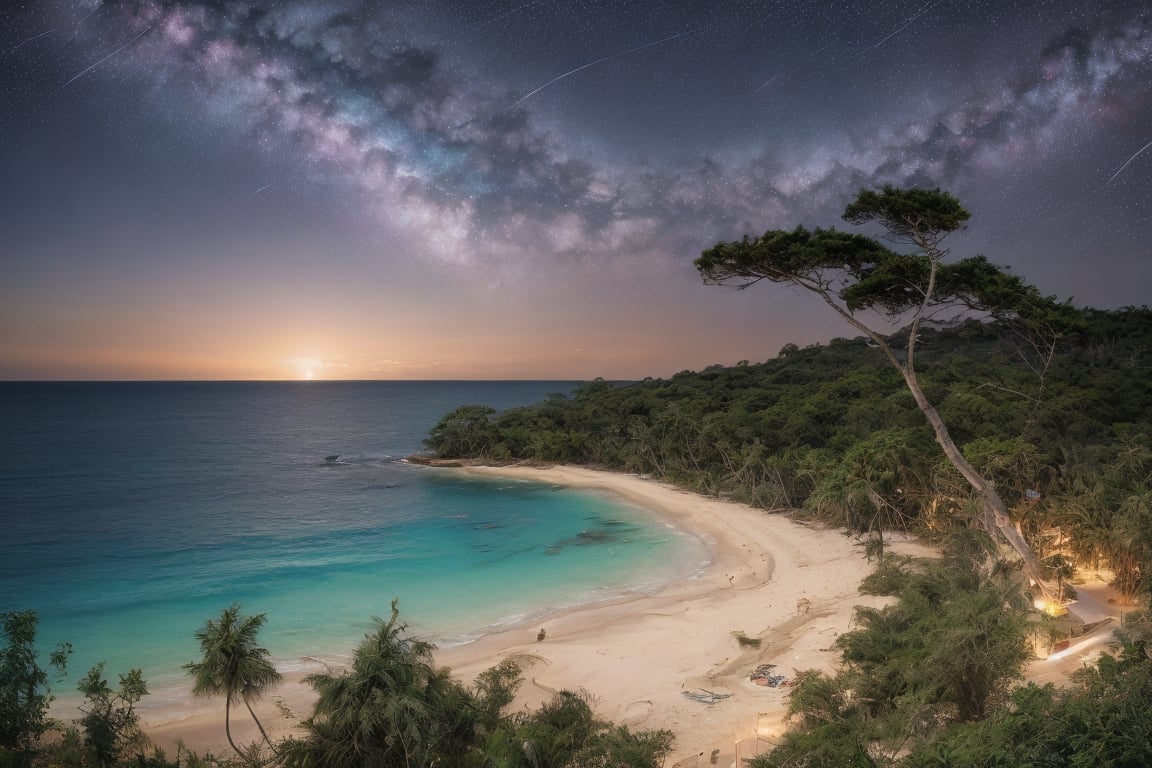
[
  {"x": 233, "y": 664},
  {"x": 391, "y": 707}
]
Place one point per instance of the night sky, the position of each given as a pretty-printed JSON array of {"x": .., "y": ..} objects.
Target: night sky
[{"x": 234, "y": 189}]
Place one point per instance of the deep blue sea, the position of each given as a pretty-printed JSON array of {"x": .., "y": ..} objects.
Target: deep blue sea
[{"x": 132, "y": 512}]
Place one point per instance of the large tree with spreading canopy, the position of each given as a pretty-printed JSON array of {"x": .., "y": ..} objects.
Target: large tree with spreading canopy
[{"x": 859, "y": 277}]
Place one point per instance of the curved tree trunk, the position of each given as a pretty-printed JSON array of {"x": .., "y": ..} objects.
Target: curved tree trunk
[
  {"x": 259, "y": 725},
  {"x": 996, "y": 518},
  {"x": 228, "y": 724}
]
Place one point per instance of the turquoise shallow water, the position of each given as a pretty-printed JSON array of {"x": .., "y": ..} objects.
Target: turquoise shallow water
[{"x": 130, "y": 513}]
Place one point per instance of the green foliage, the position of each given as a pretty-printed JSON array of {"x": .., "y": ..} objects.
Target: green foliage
[
  {"x": 865, "y": 275},
  {"x": 24, "y": 690},
  {"x": 494, "y": 689},
  {"x": 392, "y": 706},
  {"x": 782, "y": 255},
  {"x": 890, "y": 577},
  {"x": 1100, "y": 721},
  {"x": 906, "y": 213},
  {"x": 830, "y": 430},
  {"x": 69, "y": 750},
  {"x": 564, "y": 733},
  {"x": 111, "y": 725},
  {"x": 826, "y": 730},
  {"x": 817, "y": 700},
  {"x": 232, "y": 664},
  {"x": 852, "y": 276},
  {"x": 466, "y": 431},
  {"x": 555, "y": 732},
  {"x": 875, "y": 485},
  {"x": 1103, "y": 501},
  {"x": 946, "y": 652}
]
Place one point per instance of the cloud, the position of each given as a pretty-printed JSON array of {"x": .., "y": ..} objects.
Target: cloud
[
  {"x": 1016, "y": 124},
  {"x": 434, "y": 153}
]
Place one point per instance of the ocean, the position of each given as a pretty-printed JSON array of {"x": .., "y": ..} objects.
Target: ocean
[{"x": 132, "y": 512}]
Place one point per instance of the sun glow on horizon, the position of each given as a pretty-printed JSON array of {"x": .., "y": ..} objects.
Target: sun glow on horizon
[{"x": 306, "y": 368}]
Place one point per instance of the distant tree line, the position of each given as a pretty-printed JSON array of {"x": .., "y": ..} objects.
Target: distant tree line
[{"x": 830, "y": 430}]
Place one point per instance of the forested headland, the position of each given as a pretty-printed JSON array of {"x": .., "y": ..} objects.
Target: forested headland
[{"x": 832, "y": 431}]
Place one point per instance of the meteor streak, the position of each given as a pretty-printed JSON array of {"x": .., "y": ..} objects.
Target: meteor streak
[
  {"x": 101, "y": 61},
  {"x": 601, "y": 61},
  {"x": 503, "y": 16},
  {"x": 767, "y": 83},
  {"x": 23, "y": 43},
  {"x": 1138, "y": 153},
  {"x": 895, "y": 32}
]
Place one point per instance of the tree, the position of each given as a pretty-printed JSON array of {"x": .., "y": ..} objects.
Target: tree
[
  {"x": 564, "y": 732},
  {"x": 494, "y": 689},
  {"x": 24, "y": 690},
  {"x": 391, "y": 707},
  {"x": 110, "y": 721},
  {"x": 1100, "y": 720},
  {"x": 466, "y": 431},
  {"x": 948, "y": 651},
  {"x": 853, "y": 274},
  {"x": 233, "y": 664}
]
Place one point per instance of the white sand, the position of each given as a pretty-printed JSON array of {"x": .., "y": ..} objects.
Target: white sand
[{"x": 791, "y": 585}]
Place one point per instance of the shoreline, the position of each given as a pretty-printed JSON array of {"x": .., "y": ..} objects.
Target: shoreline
[{"x": 790, "y": 585}]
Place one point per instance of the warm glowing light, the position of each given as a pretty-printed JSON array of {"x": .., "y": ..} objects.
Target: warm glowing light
[
  {"x": 1054, "y": 608},
  {"x": 305, "y": 368}
]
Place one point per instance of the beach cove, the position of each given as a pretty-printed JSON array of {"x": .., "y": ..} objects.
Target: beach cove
[{"x": 790, "y": 585}]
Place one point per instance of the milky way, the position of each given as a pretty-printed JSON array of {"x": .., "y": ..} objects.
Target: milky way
[{"x": 607, "y": 138}]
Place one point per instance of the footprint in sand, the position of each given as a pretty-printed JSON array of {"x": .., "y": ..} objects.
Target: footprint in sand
[{"x": 636, "y": 712}]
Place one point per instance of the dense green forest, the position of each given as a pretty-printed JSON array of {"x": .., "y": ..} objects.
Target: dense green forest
[{"x": 1064, "y": 434}]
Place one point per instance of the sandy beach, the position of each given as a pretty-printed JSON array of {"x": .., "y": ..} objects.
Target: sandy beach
[{"x": 790, "y": 585}]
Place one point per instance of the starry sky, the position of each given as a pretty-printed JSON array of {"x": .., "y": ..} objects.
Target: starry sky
[{"x": 516, "y": 189}]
